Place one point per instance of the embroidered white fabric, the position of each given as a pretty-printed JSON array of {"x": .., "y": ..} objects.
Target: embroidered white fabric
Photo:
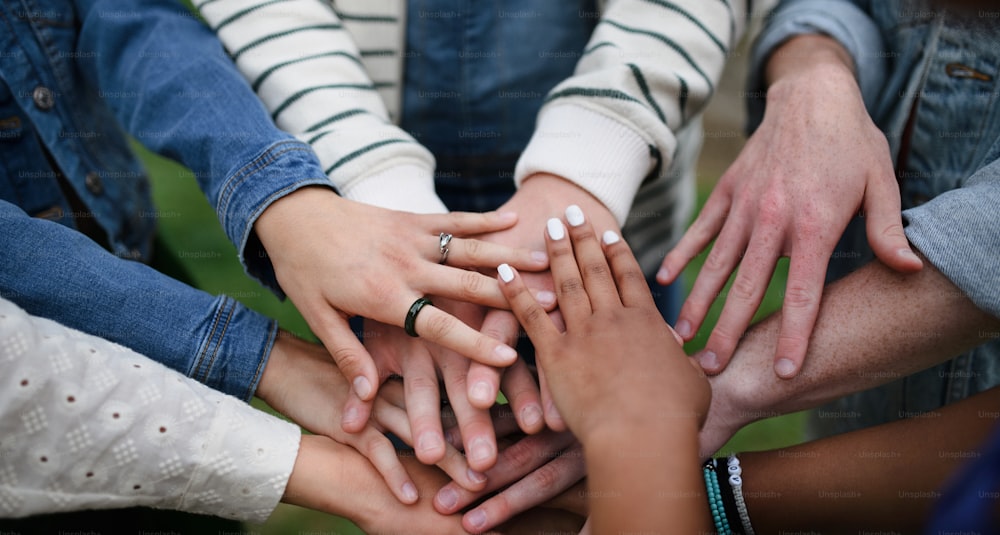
[{"x": 88, "y": 424}]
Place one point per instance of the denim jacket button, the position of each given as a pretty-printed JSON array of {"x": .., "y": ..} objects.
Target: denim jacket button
[
  {"x": 93, "y": 183},
  {"x": 53, "y": 213},
  {"x": 43, "y": 98}
]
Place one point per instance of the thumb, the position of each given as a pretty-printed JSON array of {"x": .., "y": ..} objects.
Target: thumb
[{"x": 884, "y": 225}]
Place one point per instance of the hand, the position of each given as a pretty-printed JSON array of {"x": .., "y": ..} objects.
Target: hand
[
  {"x": 335, "y": 479},
  {"x": 816, "y": 160},
  {"x": 302, "y": 382},
  {"x": 420, "y": 363},
  {"x": 617, "y": 355},
  {"x": 540, "y": 197},
  {"x": 337, "y": 258},
  {"x": 528, "y": 473}
]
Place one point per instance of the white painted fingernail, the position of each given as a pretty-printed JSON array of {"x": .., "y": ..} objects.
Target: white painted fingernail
[
  {"x": 574, "y": 215},
  {"x": 610, "y": 237},
  {"x": 506, "y": 274},
  {"x": 556, "y": 229},
  {"x": 362, "y": 387}
]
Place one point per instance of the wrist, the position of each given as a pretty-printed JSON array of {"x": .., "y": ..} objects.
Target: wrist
[
  {"x": 291, "y": 210},
  {"x": 810, "y": 58},
  {"x": 551, "y": 194}
]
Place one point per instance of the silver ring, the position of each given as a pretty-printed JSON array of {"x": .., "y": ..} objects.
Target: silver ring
[{"x": 443, "y": 240}]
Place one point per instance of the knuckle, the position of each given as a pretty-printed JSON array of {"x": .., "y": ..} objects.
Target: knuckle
[
  {"x": 474, "y": 250},
  {"x": 534, "y": 315},
  {"x": 717, "y": 260},
  {"x": 472, "y": 284},
  {"x": 799, "y": 295},
  {"x": 743, "y": 288},
  {"x": 420, "y": 384},
  {"x": 571, "y": 285},
  {"x": 348, "y": 359},
  {"x": 519, "y": 454},
  {"x": 547, "y": 478},
  {"x": 596, "y": 269},
  {"x": 439, "y": 326},
  {"x": 583, "y": 234}
]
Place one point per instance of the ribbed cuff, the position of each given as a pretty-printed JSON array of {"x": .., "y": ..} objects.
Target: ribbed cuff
[
  {"x": 598, "y": 153},
  {"x": 408, "y": 187}
]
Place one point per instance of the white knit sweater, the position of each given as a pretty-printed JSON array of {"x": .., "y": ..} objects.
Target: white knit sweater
[{"x": 330, "y": 73}]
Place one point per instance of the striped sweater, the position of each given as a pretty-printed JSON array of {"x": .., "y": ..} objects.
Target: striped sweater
[{"x": 330, "y": 74}]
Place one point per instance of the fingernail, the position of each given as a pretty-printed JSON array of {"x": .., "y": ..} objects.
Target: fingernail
[
  {"x": 362, "y": 387},
  {"x": 531, "y": 415},
  {"x": 555, "y": 228},
  {"x": 683, "y": 328},
  {"x": 447, "y": 498},
  {"x": 429, "y": 442},
  {"x": 477, "y": 518},
  {"x": 351, "y": 415},
  {"x": 709, "y": 360},
  {"x": 508, "y": 217},
  {"x": 784, "y": 367},
  {"x": 574, "y": 215},
  {"x": 908, "y": 254},
  {"x": 481, "y": 392},
  {"x": 505, "y": 352},
  {"x": 480, "y": 450},
  {"x": 539, "y": 257},
  {"x": 545, "y": 298},
  {"x": 475, "y": 477},
  {"x": 663, "y": 274},
  {"x": 610, "y": 237},
  {"x": 506, "y": 274},
  {"x": 410, "y": 492}
]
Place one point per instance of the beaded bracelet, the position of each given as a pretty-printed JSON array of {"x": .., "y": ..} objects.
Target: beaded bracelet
[
  {"x": 736, "y": 482},
  {"x": 715, "y": 505},
  {"x": 729, "y": 501}
]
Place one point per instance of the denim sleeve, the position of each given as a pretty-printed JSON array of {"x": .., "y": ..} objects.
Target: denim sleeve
[
  {"x": 844, "y": 20},
  {"x": 183, "y": 98},
  {"x": 57, "y": 273},
  {"x": 959, "y": 232}
]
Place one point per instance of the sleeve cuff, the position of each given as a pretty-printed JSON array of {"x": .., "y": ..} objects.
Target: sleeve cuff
[
  {"x": 957, "y": 233},
  {"x": 235, "y": 345},
  {"x": 598, "y": 153},
  {"x": 283, "y": 168},
  {"x": 843, "y": 21},
  {"x": 408, "y": 187}
]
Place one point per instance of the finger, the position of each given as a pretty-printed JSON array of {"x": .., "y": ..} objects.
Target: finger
[
  {"x": 484, "y": 385},
  {"x": 437, "y": 326},
  {"x": 632, "y": 287},
  {"x": 803, "y": 292},
  {"x": 529, "y": 313},
  {"x": 522, "y": 393},
  {"x": 469, "y": 223},
  {"x": 744, "y": 298},
  {"x": 884, "y": 224},
  {"x": 570, "y": 291},
  {"x": 461, "y": 285},
  {"x": 701, "y": 232},
  {"x": 484, "y": 381},
  {"x": 514, "y": 462},
  {"x": 356, "y": 413},
  {"x": 482, "y": 254},
  {"x": 591, "y": 262},
  {"x": 474, "y": 424},
  {"x": 719, "y": 264},
  {"x": 552, "y": 417},
  {"x": 539, "y": 486},
  {"x": 351, "y": 357},
  {"x": 588, "y": 528},
  {"x": 380, "y": 451},
  {"x": 423, "y": 402},
  {"x": 452, "y": 462}
]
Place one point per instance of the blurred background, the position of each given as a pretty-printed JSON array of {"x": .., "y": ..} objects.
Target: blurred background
[{"x": 194, "y": 238}]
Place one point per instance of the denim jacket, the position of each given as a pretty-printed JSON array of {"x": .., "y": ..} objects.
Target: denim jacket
[
  {"x": 938, "y": 72},
  {"x": 75, "y": 78}
]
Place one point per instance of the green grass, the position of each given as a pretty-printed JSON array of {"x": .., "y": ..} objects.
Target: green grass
[{"x": 191, "y": 231}]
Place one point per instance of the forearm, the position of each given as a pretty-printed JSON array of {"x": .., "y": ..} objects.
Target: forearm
[
  {"x": 803, "y": 53},
  {"x": 884, "y": 478},
  {"x": 641, "y": 479},
  {"x": 874, "y": 326}
]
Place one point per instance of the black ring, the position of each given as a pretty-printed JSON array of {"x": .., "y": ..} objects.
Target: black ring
[{"x": 411, "y": 317}]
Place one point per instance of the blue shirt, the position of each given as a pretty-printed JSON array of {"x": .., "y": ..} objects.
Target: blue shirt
[{"x": 75, "y": 77}]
